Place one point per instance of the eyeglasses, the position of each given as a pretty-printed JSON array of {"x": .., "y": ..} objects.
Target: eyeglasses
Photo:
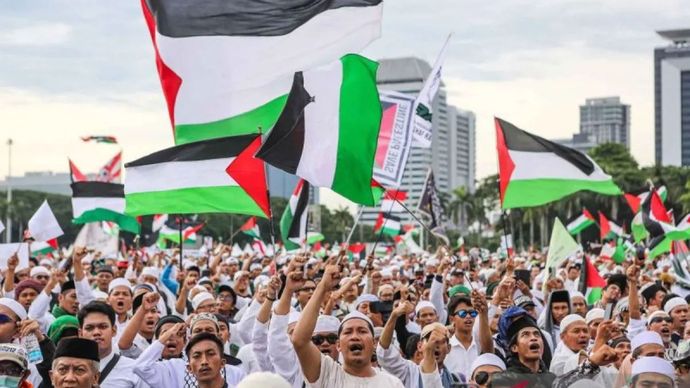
[
  {"x": 4, "y": 318},
  {"x": 661, "y": 319},
  {"x": 482, "y": 377},
  {"x": 464, "y": 313},
  {"x": 318, "y": 339}
]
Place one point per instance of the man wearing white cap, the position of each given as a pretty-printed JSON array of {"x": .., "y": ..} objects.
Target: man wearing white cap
[
  {"x": 593, "y": 318},
  {"x": 578, "y": 303},
  {"x": 40, "y": 274},
  {"x": 355, "y": 341},
  {"x": 645, "y": 344},
  {"x": 652, "y": 372},
  {"x": 484, "y": 367},
  {"x": 677, "y": 308},
  {"x": 575, "y": 339}
]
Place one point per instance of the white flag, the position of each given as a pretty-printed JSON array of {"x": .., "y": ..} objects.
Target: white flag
[
  {"x": 421, "y": 133},
  {"x": 21, "y": 249},
  {"x": 236, "y": 250},
  {"x": 43, "y": 225}
]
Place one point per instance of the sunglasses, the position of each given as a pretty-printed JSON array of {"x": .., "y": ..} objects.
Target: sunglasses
[
  {"x": 318, "y": 339},
  {"x": 4, "y": 318},
  {"x": 465, "y": 313},
  {"x": 661, "y": 319},
  {"x": 482, "y": 377}
]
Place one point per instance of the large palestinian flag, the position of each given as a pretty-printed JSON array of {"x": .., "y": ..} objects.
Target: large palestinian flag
[
  {"x": 582, "y": 222},
  {"x": 293, "y": 223},
  {"x": 101, "y": 201},
  {"x": 218, "y": 175},
  {"x": 328, "y": 131},
  {"x": 534, "y": 171},
  {"x": 226, "y": 66}
]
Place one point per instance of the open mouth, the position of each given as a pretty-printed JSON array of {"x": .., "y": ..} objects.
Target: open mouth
[
  {"x": 171, "y": 347},
  {"x": 356, "y": 348},
  {"x": 120, "y": 304},
  {"x": 665, "y": 331},
  {"x": 150, "y": 323},
  {"x": 535, "y": 347}
]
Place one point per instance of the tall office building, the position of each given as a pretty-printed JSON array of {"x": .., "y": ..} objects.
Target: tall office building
[
  {"x": 605, "y": 120},
  {"x": 672, "y": 99},
  {"x": 451, "y": 155}
]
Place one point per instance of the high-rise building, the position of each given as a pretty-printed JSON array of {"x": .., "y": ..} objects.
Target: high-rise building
[
  {"x": 452, "y": 151},
  {"x": 605, "y": 120},
  {"x": 672, "y": 99}
]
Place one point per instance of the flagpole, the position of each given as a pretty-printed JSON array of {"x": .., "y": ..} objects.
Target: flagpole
[
  {"x": 354, "y": 226},
  {"x": 270, "y": 206},
  {"x": 418, "y": 220},
  {"x": 179, "y": 228}
]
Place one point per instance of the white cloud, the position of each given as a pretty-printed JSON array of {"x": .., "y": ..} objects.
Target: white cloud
[{"x": 47, "y": 34}]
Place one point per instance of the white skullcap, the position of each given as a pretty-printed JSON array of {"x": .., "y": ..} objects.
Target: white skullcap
[
  {"x": 576, "y": 294},
  {"x": 232, "y": 261},
  {"x": 201, "y": 298},
  {"x": 39, "y": 270},
  {"x": 673, "y": 303},
  {"x": 255, "y": 266},
  {"x": 585, "y": 383},
  {"x": 386, "y": 272},
  {"x": 423, "y": 304},
  {"x": 263, "y": 379},
  {"x": 293, "y": 317},
  {"x": 487, "y": 359},
  {"x": 87, "y": 260},
  {"x": 644, "y": 338},
  {"x": 357, "y": 315},
  {"x": 118, "y": 282},
  {"x": 327, "y": 324},
  {"x": 15, "y": 307},
  {"x": 99, "y": 295},
  {"x": 653, "y": 365},
  {"x": 655, "y": 314},
  {"x": 569, "y": 320},
  {"x": 187, "y": 264},
  {"x": 261, "y": 281},
  {"x": 239, "y": 274},
  {"x": 366, "y": 298},
  {"x": 595, "y": 313},
  {"x": 150, "y": 271},
  {"x": 47, "y": 262}
]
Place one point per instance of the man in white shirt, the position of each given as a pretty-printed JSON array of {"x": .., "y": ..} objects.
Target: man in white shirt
[
  {"x": 97, "y": 323},
  {"x": 465, "y": 347},
  {"x": 355, "y": 341}
]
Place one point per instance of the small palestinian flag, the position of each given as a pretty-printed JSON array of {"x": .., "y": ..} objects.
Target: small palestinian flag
[
  {"x": 314, "y": 237},
  {"x": 158, "y": 221},
  {"x": 101, "y": 201},
  {"x": 328, "y": 131},
  {"x": 634, "y": 201},
  {"x": 534, "y": 171},
  {"x": 388, "y": 224},
  {"x": 608, "y": 229},
  {"x": 391, "y": 201},
  {"x": 614, "y": 250},
  {"x": 293, "y": 223},
  {"x": 99, "y": 139},
  {"x": 637, "y": 228},
  {"x": 43, "y": 247},
  {"x": 188, "y": 233},
  {"x": 226, "y": 66},
  {"x": 75, "y": 174},
  {"x": 591, "y": 282},
  {"x": 582, "y": 222},
  {"x": 211, "y": 176},
  {"x": 251, "y": 228},
  {"x": 657, "y": 220},
  {"x": 356, "y": 251}
]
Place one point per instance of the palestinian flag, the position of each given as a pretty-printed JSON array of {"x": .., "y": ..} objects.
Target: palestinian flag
[
  {"x": 635, "y": 200},
  {"x": 314, "y": 238},
  {"x": 328, "y": 131},
  {"x": 391, "y": 201},
  {"x": 226, "y": 66},
  {"x": 99, "y": 139},
  {"x": 591, "y": 282},
  {"x": 614, "y": 250},
  {"x": 188, "y": 233},
  {"x": 158, "y": 221},
  {"x": 582, "y": 222},
  {"x": 75, "y": 174},
  {"x": 637, "y": 227},
  {"x": 112, "y": 170},
  {"x": 680, "y": 264},
  {"x": 658, "y": 221},
  {"x": 43, "y": 247},
  {"x": 382, "y": 250},
  {"x": 251, "y": 228},
  {"x": 218, "y": 175},
  {"x": 110, "y": 228},
  {"x": 356, "y": 251},
  {"x": 101, "y": 201},
  {"x": 534, "y": 171},
  {"x": 293, "y": 223},
  {"x": 608, "y": 229},
  {"x": 684, "y": 223},
  {"x": 388, "y": 224}
]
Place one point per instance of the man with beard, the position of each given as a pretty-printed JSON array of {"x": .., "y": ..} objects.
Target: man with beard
[
  {"x": 139, "y": 332},
  {"x": 526, "y": 347},
  {"x": 355, "y": 342},
  {"x": 575, "y": 339},
  {"x": 76, "y": 364},
  {"x": 97, "y": 323},
  {"x": 677, "y": 308},
  {"x": 173, "y": 372}
]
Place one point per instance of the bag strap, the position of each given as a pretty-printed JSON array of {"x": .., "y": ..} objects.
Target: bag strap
[{"x": 108, "y": 368}]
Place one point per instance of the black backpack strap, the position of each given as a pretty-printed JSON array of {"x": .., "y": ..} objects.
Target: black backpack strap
[{"x": 108, "y": 368}]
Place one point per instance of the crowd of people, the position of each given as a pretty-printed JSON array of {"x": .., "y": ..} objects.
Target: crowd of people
[{"x": 443, "y": 319}]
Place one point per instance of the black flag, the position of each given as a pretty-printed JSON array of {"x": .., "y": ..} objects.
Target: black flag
[{"x": 430, "y": 205}]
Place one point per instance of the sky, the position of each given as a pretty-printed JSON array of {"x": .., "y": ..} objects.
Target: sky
[{"x": 71, "y": 68}]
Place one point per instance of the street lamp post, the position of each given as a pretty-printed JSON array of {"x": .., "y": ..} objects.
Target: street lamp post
[{"x": 8, "y": 233}]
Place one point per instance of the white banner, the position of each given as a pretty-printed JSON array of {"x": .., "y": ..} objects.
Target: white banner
[
  {"x": 395, "y": 138},
  {"x": 22, "y": 251},
  {"x": 421, "y": 132}
]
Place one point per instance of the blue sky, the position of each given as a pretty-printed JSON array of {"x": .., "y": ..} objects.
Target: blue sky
[{"x": 76, "y": 67}]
